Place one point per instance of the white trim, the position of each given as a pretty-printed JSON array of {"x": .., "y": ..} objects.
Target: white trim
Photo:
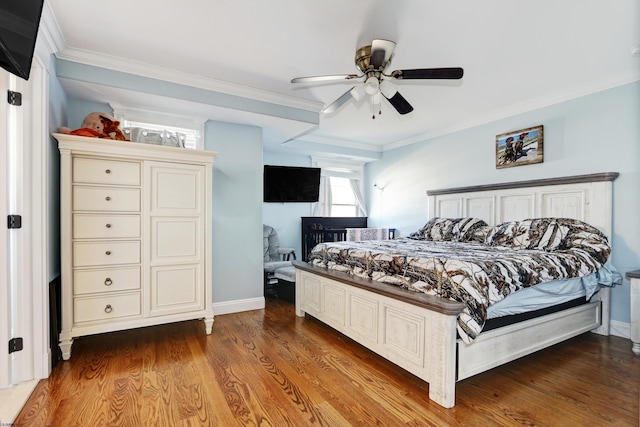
[
  {"x": 154, "y": 72},
  {"x": 5, "y": 324},
  {"x": 13, "y": 399},
  {"x": 237, "y": 306},
  {"x": 19, "y": 240},
  {"x": 620, "y": 329},
  {"x": 49, "y": 31},
  {"x": 39, "y": 92}
]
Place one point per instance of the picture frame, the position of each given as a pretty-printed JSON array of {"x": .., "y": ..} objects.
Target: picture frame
[{"x": 519, "y": 148}]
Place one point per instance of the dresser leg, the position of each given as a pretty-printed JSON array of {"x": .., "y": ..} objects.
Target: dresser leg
[
  {"x": 208, "y": 324},
  {"x": 65, "y": 346},
  {"x": 636, "y": 347}
]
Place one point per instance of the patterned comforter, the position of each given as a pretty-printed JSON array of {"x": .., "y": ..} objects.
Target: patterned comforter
[{"x": 465, "y": 260}]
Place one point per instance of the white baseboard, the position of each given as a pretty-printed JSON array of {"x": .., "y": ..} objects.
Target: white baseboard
[
  {"x": 620, "y": 329},
  {"x": 12, "y": 400},
  {"x": 237, "y": 306}
]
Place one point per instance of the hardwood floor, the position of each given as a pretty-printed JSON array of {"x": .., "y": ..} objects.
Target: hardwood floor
[{"x": 269, "y": 368}]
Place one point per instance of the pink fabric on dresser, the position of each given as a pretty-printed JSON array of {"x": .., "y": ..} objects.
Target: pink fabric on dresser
[{"x": 357, "y": 234}]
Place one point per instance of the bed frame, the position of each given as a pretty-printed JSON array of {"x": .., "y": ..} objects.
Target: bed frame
[{"x": 418, "y": 332}]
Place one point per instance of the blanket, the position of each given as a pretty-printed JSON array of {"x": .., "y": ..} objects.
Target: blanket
[{"x": 464, "y": 259}]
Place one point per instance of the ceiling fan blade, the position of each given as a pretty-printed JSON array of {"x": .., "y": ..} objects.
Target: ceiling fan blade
[
  {"x": 399, "y": 103},
  {"x": 324, "y": 78},
  {"x": 338, "y": 102},
  {"x": 429, "y": 73},
  {"x": 381, "y": 52}
]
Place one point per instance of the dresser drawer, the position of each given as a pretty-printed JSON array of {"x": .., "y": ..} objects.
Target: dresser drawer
[
  {"x": 106, "y": 199},
  {"x": 105, "y": 171},
  {"x": 87, "y": 254},
  {"x": 92, "y": 226},
  {"x": 90, "y": 309},
  {"x": 106, "y": 280}
]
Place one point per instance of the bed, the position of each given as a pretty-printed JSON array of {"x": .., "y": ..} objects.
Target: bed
[{"x": 434, "y": 334}]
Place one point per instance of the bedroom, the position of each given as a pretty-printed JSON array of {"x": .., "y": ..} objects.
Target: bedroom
[{"x": 407, "y": 172}]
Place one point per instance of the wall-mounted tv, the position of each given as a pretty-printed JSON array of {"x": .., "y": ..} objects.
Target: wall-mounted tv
[
  {"x": 19, "y": 21},
  {"x": 291, "y": 184}
]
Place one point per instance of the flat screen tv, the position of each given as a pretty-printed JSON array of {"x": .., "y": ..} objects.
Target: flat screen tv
[
  {"x": 19, "y": 21},
  {"x": 291, "y": 184}
]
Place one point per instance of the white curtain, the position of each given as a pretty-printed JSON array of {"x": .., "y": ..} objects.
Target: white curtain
[
  {"x": 323, "y": 206},
  {"x": 355, "y": 187}
]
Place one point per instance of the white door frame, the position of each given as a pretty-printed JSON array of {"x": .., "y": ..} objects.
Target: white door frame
[
  {"x": 39, "y": 255},
  {"x": 5, "y": 324},
  {"x": 24, "y": 283}
]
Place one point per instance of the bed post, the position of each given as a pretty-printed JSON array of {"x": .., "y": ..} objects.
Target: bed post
[
  {"x": 440, "y": 363},
  {"x": 298, "y": 296}
]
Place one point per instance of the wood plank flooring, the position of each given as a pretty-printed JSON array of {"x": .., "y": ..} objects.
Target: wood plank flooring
[{"x": 269, "y": 368}]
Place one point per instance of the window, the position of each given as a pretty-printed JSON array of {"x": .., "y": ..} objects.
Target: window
[
  {"x": 159, "y": 134},
  {"x": 161, "y": 128},
  {"x": 343, "y": 201},
  {"x": 340, "y": 188}
]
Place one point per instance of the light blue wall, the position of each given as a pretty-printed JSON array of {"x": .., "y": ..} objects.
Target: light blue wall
[
  {"x": 285, "y": 217},
  {"x": 237, "y": 210},
  {"x": 595, "y": 133},
  {"x": 78, "y": 109}
]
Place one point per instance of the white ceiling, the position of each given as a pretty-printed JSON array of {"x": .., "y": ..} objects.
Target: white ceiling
[{"x": 516, "y": 55}]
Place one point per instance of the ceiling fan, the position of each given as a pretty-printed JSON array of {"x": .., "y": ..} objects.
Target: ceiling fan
[{"x": 372, "y": 61}]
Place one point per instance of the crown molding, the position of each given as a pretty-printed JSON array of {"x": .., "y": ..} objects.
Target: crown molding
[
  {"x": 160, "y": 73},
  {"x": 49, "y": 33}
]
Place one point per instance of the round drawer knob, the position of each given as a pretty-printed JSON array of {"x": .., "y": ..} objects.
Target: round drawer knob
[
  {"x": 108, "y": 252},
  {"x": 108, "y": 225},
  {"x": 108, "y": 281},
  {"x": 107, "y": 198},
  {"x": 108, "y": 308},
  {"x": 107, "y": 171}
]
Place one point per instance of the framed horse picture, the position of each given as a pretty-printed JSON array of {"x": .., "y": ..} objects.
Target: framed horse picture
[{"x": 518, "y": 148}]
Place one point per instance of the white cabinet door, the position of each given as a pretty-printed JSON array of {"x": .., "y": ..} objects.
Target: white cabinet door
[{"x": 176, "y": 244}]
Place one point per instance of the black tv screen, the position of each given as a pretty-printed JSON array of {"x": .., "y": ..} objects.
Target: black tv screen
[
  {"x": 291, "y": 184},
  {"x": 19, "y": 21}
]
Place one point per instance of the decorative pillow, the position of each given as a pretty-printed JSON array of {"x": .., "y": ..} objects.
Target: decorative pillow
[
  {"x": 545, "y": 234},
  {"x": 479, "y": 233},
  {"x": 449, "y": 229},
  {"x": 583, "y": 237}
]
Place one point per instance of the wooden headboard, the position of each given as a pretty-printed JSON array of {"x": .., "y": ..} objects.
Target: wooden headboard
[{"x": 588, "y": 198}]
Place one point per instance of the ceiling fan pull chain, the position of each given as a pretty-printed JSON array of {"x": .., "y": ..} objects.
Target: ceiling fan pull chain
[{"x": 373, "y": 108}]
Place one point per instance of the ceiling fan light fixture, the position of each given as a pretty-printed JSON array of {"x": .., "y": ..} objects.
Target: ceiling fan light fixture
[
  {"x": 357, "y": 92},
  {"x": 388, "y": 89},
  {"x": 371, "y": 86}
]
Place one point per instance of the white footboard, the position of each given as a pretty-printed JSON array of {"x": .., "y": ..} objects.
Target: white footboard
[{"x": 420, "y": 338}]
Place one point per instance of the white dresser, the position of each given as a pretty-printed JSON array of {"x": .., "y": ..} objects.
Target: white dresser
[{"x": 135, "y": 236}]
